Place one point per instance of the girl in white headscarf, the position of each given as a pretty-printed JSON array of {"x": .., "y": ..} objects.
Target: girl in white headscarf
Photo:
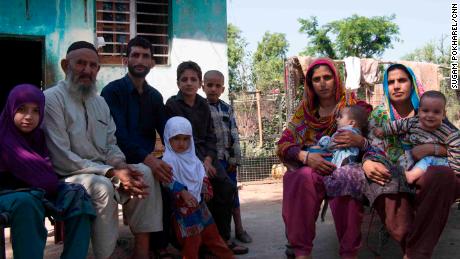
[{"x": 190, "y": 187}]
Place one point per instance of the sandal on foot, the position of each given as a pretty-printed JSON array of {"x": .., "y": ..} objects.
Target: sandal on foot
[
  {"x": 243, "y": 237},
  {"x": 237, "y": 249}
]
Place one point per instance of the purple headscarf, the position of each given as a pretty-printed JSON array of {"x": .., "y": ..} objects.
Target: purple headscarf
[{"x": 24, "y": 155}]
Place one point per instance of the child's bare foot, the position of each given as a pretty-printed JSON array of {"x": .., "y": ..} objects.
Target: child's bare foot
[
  {"x": 410, "y": 177},
  {"x": 413, "y": 174}
]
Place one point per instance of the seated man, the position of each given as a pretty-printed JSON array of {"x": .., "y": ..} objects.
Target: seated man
[
  {"x": 138, "y": 112},
  {"x": 81, "y": 138}
]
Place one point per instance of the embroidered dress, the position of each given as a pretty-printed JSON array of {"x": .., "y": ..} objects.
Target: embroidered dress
[
  {"x": 188, "y": 174},
  {"x": 190, "y": 221},
  {"x": 392, "y": 145},
  {"x": 303, "y": 187},
  {"x": 385, "y": 113}
]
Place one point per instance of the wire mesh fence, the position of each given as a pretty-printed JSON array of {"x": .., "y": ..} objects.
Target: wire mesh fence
[
  {"x": 257, "y": 168},
  {"x": 260, "y": 119}
]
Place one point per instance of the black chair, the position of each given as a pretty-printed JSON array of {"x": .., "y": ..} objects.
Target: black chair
[{"x": 4, "y": 223}]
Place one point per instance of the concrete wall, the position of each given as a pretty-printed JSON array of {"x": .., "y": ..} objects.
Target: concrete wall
[
  {"x": 198, "y": 32},
  {"x": 60, "y": 22}
]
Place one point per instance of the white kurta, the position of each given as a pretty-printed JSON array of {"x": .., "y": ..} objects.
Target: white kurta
[{"x": 81, "y": 139}]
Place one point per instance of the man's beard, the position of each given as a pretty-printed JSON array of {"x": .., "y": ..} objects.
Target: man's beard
[
  {"x": 133, "y": 72},
  {"x": 78, "y": 90}
]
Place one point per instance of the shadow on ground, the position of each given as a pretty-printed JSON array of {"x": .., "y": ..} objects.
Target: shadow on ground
[{"x": 261, "y": 210}]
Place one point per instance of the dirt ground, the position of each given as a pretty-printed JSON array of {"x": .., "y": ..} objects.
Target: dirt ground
[{"x": 261, "y": 210}]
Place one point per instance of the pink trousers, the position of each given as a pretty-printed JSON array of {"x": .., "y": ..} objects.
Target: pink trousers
[
  {"x": 418, "y": 224},
  {"x": 303, "y": 193}
]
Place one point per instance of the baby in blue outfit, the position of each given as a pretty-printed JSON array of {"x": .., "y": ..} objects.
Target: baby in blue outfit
[{"x": 350, "y": 118}]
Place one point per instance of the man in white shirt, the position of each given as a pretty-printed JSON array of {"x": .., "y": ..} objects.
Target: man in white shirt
[{"x": 81, "y": 139}]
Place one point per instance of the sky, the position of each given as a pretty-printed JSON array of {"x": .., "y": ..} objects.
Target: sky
[{"x": 419, "y": 20}]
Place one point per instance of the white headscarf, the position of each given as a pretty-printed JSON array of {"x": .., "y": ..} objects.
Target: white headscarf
[{"x": 187, "y": 168}]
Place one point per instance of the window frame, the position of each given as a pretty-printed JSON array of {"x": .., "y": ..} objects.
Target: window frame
[{"x": 114, "y": 58}]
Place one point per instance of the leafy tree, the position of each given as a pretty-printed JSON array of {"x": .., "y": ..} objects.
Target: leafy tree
[
  {"x": 268, "y": 61},
  {"x": 438, "y": 52},
  {"x": 239, "y": 76},
  {"x": 357, "y": 36},
  {"x": 434, "y": 52}
]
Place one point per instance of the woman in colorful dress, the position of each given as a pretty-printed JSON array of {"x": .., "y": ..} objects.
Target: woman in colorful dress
[
  {"x": 414, "y": 215},
  {"x": 303, "y": 185}
]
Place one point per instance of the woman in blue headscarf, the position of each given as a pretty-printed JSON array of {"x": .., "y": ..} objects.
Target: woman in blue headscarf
[{"x": 415, "y": 215}]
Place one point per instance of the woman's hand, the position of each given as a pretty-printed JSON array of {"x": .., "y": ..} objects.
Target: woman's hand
[
  {"x": 376, "y": 171},
  {"x": 317, "y": 162},
  {"x": 347, "y": 138},
  {"x": 421, "y": 151}
]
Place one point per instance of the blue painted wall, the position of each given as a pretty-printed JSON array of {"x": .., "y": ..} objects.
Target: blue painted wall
[
  {"x": 61, "y": 22},
  {"x": 200, "y": 20}
]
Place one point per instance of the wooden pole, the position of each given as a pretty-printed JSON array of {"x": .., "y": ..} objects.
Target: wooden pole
[{"x": 259, "y": 118}]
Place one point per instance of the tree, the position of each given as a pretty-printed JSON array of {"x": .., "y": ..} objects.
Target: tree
[
  {"x": 239, "y": 76},
  {"x": 438, "y": 52},
  {"x": 356, "y": 36},
  {"x": 433, "y": 52},
  {"x": 268, "y": 61}
]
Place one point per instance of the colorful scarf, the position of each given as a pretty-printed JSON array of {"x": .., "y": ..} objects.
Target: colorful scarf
[
  {"x": 24, "y": 156},
  {"x": 305, "y": 127},
  {"x": 386, "y": 112},
  {"x": 416, "y": 92}
]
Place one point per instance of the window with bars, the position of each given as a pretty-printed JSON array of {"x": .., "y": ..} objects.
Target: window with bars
[{"x": 117, "y": 21}]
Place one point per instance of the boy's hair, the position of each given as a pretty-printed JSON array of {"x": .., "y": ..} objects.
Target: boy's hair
[
  {"x": 434, "y": 94},
  {"x": 210, "y": 72},
  {"x": 138, "y": 41},
  {"x": 189, "y": 65},
  {"x": 360, "y": 115}
]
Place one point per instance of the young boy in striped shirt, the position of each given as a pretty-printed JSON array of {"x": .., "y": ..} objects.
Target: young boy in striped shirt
[{"x": 228, "y": 146}]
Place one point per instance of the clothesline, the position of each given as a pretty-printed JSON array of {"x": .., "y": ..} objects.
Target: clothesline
[{"x": 392, "y": 62}]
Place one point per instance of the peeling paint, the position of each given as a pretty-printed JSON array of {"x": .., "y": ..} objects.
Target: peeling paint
[{"x": 198, "y": 33}]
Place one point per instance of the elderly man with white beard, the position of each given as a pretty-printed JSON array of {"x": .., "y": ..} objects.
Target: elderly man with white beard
[{"x": 81, "y": 139}]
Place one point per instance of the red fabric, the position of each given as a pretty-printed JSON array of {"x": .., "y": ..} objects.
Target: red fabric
[
  {"x": 210, "y": 238},
  {"x": 348, "y": 216},
  {"x": 303, "y": 193},
  {"x": 418, "y": 225},
  {"x": 305, "y": 128}
]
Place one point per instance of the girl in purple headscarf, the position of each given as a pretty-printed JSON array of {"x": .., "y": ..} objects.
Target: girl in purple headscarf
[{"x": 30, "y": 189}]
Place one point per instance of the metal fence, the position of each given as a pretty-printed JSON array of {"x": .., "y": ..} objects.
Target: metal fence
[
  {"x": 260, "y": 119},
  {"x": 257, "y": 168}
]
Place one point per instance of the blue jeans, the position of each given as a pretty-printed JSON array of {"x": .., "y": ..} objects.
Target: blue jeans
[{"x": 233, "y": 176}]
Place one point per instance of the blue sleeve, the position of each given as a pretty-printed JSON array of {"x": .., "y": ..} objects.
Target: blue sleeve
[
  {"x": 175, "y": 187},
  {"x": 133, "y": 152}
]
